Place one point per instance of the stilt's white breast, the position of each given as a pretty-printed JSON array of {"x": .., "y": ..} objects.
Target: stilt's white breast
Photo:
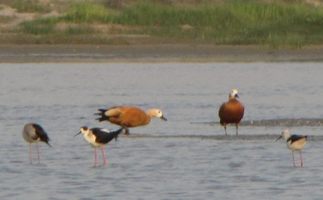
[
  {"x": 29, "y": 133},
  {"x": 91, "y": 139}
]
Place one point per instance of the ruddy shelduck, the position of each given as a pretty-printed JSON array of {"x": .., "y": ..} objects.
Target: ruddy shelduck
[
  {"x": 129, "y": 116},
  {"x": 294, "y": 143},
  {"x": 232, "y": 111}
]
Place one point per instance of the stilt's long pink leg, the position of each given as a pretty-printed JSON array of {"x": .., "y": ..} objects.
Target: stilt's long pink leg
[
  {"x": 293, "y": 159},
  {"x": 30, "y": 154},
  {"x": 103, "y": 156},
  {"x": 95, "y": 157},
  {"x": 300, "y": 154},
  {"x": 38, "y": 157}
]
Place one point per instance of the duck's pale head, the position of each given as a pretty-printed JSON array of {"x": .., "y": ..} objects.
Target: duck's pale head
[
  {"x": 233, "y": 94},
  {"x": 155, "y": 112}
]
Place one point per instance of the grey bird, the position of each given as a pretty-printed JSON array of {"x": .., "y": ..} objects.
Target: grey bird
[{"x": 34, "y": 133}]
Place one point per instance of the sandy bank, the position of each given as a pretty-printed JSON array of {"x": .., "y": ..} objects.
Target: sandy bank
[{"x": 155, "y": 53}]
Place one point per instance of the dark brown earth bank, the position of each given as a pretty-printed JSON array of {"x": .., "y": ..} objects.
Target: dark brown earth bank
[{"x": 155, "y": 53}]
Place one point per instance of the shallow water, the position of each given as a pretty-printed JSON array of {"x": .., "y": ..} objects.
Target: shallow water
[{"x": 186, "y": 157}]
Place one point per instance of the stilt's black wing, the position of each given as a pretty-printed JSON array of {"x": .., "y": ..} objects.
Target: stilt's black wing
[
  {"x": 41, "y": 133},
  {"x": 104, "y": 136},
  {"x": 294, "y": 138}
]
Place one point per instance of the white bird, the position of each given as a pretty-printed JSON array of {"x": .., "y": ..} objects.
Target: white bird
[
  {"x": 98, "y": 138},
  {"x": 33, "y": 133},
  {"x": 294, "y": 143}
]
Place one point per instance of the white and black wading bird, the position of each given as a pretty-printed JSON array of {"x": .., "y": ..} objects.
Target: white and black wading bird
[
  {"x": 98, "y": 138},
  {"x": 294, "y": 143}
]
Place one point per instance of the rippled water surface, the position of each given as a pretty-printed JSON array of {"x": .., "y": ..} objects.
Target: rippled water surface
[{"x": 186, "y": 157}]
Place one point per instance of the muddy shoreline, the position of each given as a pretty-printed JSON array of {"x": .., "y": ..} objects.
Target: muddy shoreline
[{"x": 155, "y": 53}]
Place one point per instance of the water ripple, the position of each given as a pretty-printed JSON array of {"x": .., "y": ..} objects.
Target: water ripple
[
  {"x": 287, "y": 122},
  {"x": 251, "y": 137}
]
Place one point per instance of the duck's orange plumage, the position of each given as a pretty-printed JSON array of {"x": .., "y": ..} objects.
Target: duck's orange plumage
[
  {"x": 232, "y": 111},
  {"x": 129, "y": 116}
]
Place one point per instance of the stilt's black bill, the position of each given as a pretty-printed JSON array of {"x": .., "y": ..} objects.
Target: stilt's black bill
[
  {"x": 77, "y": 133},
  {"x": 278, "y": 138}
]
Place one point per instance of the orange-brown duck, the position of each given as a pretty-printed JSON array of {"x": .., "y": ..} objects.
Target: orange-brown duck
[
  {"x": 129, "y": 116},
  {"x": 231, "y": 112}
]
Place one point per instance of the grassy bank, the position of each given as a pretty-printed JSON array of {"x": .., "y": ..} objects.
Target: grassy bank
[{"x": 277, "y": 23}]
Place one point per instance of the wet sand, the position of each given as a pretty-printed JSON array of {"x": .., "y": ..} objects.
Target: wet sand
[{"x": 155, "y": 53}]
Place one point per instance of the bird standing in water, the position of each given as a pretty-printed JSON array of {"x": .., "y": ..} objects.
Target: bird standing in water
[
  {"x": 294, "y": 143},
  {"x": 34, "y": 133},
  {"x": 98, "y": 138},
  {"x": 232, "y": 111},
  {"x": 129, "y": 116}
]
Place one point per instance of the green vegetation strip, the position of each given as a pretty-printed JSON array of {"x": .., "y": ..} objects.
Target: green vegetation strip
[{"x": 229, "y": 22}]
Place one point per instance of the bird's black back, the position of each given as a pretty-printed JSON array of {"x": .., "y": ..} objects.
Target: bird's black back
[
  {"x": 41, "y": 133},
  {"x": 294, "y": 138},
  {"x": 104, "y": 137}
]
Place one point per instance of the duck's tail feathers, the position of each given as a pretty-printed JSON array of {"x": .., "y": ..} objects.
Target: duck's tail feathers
[{"x": 102, "y": 117}]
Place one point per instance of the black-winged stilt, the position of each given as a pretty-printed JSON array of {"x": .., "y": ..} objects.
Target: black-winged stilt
[
  {"x": 33, "y": 133},
  {"x": 98, "y": 138},
  {"x": 232, "y": 111},
  {"x": 294, "y": 143},
  {"x": 129, "y": 116}
]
